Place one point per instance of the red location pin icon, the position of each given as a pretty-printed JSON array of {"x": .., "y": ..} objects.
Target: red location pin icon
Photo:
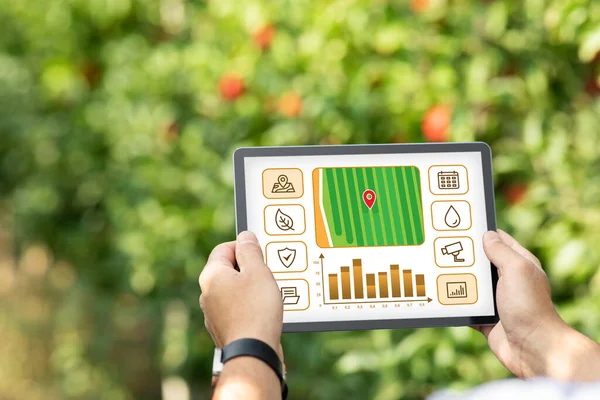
[{"x": 369, "y": 198}]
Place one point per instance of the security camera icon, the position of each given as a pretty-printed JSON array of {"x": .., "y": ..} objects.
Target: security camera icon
[{"x": 453, "y": 249}]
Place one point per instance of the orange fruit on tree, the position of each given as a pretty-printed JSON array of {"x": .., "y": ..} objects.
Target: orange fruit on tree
[
  {"x": 231, "y": 86},
  {"x": 263, "y": 36},
  {"x": 515, "y": 193},
  {"x": 436, "y": 123},
  {"x": 290, "y": 105},
  {"x": 419, "y": 6}
]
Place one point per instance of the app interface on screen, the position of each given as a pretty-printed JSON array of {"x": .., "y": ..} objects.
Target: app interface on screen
[{"x": 371, "y": 237}]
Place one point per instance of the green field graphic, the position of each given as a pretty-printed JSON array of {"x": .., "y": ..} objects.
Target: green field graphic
[{"x": 344, "y": 220}]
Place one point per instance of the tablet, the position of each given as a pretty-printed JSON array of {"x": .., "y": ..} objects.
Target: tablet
[{"x": 373, "y": 236}]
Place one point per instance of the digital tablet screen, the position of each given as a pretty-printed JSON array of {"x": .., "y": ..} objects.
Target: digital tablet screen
[{"x": 363, "y": 237}]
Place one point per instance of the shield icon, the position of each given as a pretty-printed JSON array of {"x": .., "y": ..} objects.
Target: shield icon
[{"x": 287, "y": 256}]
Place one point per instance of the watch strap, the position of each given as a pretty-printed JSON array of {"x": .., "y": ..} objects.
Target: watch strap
[{"x": 258, "y": 349}]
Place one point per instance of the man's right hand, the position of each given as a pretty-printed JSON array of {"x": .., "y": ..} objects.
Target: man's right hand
[{"x": 531, "y": 339}]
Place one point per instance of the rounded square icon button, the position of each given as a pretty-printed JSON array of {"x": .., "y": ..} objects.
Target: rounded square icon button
[
  {"x": 295, "y": 294},
  {"x": 451, "y": 215},
  {"x": 448, "y": 179},
  {"x": 282, "y": 183},
  {"x": 286, "y": 256},
  {"x": 457, "y": 289},
  {"x": 285, "y": 219},
  {"x": 455, "y": 251}
]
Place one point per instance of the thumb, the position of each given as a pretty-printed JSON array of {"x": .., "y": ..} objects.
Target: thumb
[
  {"x": 248, "y": 252},
  {"x": 499, "y": 253}
]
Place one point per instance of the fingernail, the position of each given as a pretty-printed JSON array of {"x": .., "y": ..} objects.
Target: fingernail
[
  {"x": 247, "y": 237},
  {"x": 492, "y": 236}
]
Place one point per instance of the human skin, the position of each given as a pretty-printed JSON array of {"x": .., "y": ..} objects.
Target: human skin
[
  {"x": 530, "y": 340},
  {"x": 244, "y": 304}
]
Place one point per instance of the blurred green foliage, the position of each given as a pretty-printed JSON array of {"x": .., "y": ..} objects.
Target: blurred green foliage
[{"x": 118, "y": 119}]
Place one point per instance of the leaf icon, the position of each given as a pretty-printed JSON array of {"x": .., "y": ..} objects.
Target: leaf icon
[{"x": 283, "y": 221}]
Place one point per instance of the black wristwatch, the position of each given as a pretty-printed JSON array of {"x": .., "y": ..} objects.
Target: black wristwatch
[{"x": 250, "y": 348}]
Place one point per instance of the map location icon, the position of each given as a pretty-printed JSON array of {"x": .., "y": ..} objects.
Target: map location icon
[{"x": 369, "y": 198}]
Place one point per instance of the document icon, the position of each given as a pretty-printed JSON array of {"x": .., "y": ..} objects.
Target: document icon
[
  {"x": 295, "y": 294},
  {"x": 289, "y": 295}
]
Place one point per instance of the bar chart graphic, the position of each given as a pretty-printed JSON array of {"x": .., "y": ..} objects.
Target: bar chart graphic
[
  {"x": 352, "y": 285},
  {"x": 456, "y": 289}
]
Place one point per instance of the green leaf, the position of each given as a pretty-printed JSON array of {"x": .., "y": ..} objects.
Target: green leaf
[{"x": 590, "y": 45}]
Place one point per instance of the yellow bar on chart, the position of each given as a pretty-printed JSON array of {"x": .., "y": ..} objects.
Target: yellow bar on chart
[
  {"x": 358, "y": 279},
  {"x": 334, "y": 293},
  {"x": 420, "y": 284},
  {"x": 395, "y": 274},
  {"x": 408, "y": 285},
  {"x": 383, "y": 285},
  {"x": 346, "y": 293},
  {"x": 371, "y": 286}
]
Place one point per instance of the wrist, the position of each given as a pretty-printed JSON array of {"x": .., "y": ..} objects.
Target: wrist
[
  {"x": 577, "y": 360},
  {"x": 248, "y": 378},
  {"x": 271, "y": 339},
  {"x": 562, "y": 353},
  {"x": 247, "y": 351}
]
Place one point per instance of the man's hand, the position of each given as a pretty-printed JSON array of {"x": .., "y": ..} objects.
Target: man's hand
[
  {"x": 531, "y": 339},
  {"x": 244, "y": 304}
]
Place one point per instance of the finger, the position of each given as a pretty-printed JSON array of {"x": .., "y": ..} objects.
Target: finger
[
  {"x": 248, "y": 252},
  {"x": 499, "y": 253},
  {"x": 223, "y": 254},
  {"x": 516, "y": 246},
  {"x": 484, "y": 329},
  {"x": 221, "y": 259}
]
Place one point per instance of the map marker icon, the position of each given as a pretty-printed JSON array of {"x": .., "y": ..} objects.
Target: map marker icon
[{"x": 369, "y": 198}]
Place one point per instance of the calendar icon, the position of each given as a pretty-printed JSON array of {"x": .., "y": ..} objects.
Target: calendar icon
[{"x": 448, "y": 180}]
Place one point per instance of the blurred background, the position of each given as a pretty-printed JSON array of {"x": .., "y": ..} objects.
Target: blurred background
[{"x": 118, "y": 119}]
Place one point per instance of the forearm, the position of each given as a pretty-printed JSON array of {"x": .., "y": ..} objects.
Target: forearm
[
  {"x": 579, "y": 359},
  {"x": 567, "y": 355},
  {"x": 247, "y": 378}
]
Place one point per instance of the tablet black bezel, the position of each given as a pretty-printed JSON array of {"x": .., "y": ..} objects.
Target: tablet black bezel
[{"x": 486, "y": 159}]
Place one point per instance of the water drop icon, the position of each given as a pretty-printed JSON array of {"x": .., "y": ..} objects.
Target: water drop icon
[{"x": 452, "y": 219}]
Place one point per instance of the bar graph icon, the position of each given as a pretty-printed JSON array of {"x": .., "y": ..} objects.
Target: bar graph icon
[
  {"x": 351, "y": 284},
  {"x": 456, "y": 290}
]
